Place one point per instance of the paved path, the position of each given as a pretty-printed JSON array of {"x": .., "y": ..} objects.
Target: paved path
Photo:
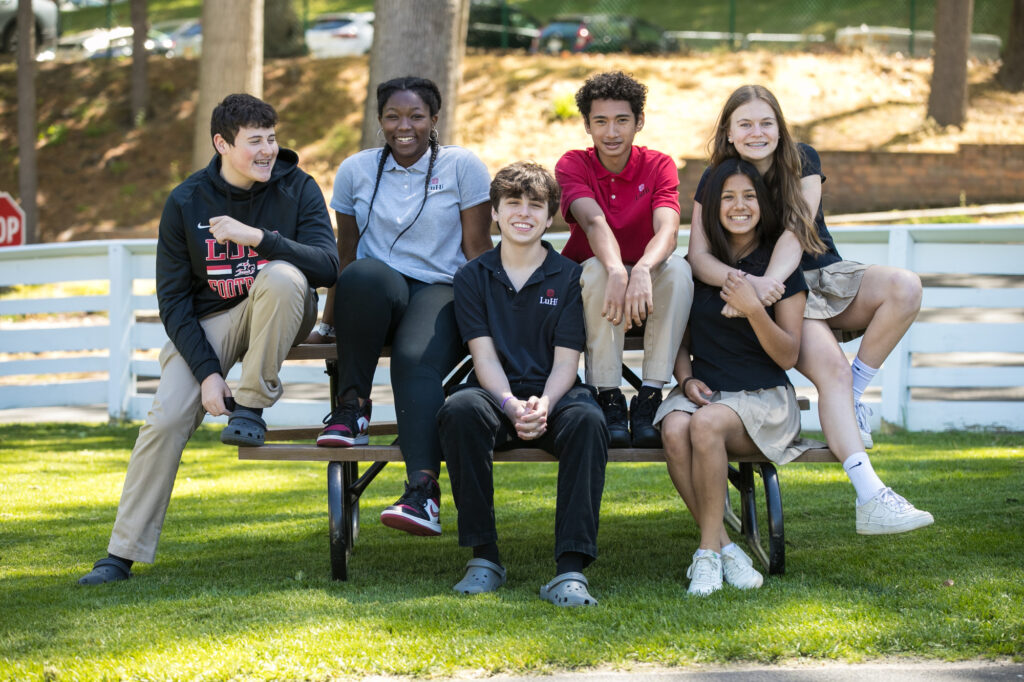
[{"x": 889, "y": 671}]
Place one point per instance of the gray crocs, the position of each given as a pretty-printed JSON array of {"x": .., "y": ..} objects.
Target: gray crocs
[
  {"x": 481, "y": 576},
  {"x": 106, "y": 570},
  {"x": 568, "y": 589},
  {"x": 245, "y": 427}
]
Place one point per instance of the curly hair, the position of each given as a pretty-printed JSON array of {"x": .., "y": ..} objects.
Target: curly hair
[
  {"x": 783, "y": 178},
  {"x": 240, "y": 111},
  {"x": 526, "y": 178},
  {"x": 614, "y": 85}
]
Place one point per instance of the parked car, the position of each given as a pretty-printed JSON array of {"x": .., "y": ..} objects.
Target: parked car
[
  {"x": 340, "y": 34},
  {"x": 490, "y": 21},
  {"x": 116, "y": 42},
  {"x": 47, "y": 24},
  {"x": 603, "y": 33},
  {"x": 187, "y": 35}
]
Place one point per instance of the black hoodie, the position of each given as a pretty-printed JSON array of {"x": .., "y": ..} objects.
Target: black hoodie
[{"x": 196, "y": 276}]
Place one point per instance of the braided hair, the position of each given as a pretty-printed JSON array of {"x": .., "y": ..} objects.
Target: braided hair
[{"x": 427, "y": 91}]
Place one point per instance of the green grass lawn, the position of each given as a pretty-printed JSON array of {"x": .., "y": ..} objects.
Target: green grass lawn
[{"x": 241, "y": 586}]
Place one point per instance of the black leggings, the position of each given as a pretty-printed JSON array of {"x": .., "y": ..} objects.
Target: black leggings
[{"x": 375, "y": 305}]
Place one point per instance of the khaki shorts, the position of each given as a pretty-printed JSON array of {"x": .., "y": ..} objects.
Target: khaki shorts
[
  {"x": 771, "y": 417},
  {"x": 831, "y": 290}
]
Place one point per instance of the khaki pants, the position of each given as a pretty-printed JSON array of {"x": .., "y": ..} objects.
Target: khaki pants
[
  {"x": 278, "y": 313},
  {"x": 672, "y": 292}
]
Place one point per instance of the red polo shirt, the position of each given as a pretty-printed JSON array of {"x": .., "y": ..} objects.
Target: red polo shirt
[{"x": 649, "y": 180}]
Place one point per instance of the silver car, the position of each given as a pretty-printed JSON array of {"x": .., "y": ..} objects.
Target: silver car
[{"x": 47, "y": 24}]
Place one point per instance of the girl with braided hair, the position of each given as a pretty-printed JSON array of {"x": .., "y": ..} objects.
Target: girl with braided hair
[{"x": 409, "y": 214}]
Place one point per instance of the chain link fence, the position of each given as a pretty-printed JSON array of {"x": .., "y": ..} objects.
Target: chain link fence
[{"x": 699, "y": 24}]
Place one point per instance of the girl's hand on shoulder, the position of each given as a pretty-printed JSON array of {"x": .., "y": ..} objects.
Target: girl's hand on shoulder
[
  {"x": 769, "y": 290},
  {"x": 740, "y": 294},
  {"x": 697, "y": 392}
]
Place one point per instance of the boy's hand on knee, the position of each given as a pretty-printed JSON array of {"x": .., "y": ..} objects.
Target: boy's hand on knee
[
  {"x": 214, "y": 390},
  {"x": 615, "y": 296}
]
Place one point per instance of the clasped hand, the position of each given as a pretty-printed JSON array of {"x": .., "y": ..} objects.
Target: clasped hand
[{"x": 529, "y": 417}]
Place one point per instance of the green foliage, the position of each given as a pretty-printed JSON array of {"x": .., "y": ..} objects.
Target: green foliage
[
  {"x": 241, "y": 586},
  {"x": 54, "y": 134},
  {"x": 341, "y": 140},
  {"x": 564, "y": 107}
]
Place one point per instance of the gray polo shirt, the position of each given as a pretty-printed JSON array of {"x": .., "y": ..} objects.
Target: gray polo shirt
[{"x": 431, "y": 250}]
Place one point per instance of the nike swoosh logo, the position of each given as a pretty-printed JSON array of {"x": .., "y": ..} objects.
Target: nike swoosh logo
[
  {"x": 857, "y": 465},
  {"x": 200, "y": 226}
]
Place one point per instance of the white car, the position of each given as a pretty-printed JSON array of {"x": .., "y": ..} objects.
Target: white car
[
  {"x": 187, "y": 35},
  {"x": 340, "y": 34}
]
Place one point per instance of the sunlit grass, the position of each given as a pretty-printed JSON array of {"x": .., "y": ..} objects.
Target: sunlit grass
[{"x": 241, "y": 585}]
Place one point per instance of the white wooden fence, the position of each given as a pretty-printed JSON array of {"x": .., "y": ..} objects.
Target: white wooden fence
[{"x": 979, "y": 372}]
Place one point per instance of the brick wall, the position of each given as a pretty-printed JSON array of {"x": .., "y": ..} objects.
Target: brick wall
[{"x": 860, "y": 182}]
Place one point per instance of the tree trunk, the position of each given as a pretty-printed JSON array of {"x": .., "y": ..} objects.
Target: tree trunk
[
  {"x": 947, "y": 103},
  {"x": 140, "y": 84},
  {"x": 1011, "y": 73},
  {"x": 426, "y": 38},
  {"x": 28, "y": 178},
  {"x": 282, "y": 36},
  {"x": 232, "y": 61}
]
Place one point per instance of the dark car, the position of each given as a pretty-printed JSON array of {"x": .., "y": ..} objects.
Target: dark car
[
  {"x": 497, "y": 25},
  {"x": 603, "y": 33}
]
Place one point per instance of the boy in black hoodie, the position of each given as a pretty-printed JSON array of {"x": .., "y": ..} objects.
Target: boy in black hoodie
[{"x": 242, "y": 244}]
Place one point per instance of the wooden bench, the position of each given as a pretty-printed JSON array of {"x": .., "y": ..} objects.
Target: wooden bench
[{"x": 345, "y": 485}]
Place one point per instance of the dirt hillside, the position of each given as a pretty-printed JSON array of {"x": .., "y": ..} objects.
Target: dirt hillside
[{"x": 99, "y": 178}]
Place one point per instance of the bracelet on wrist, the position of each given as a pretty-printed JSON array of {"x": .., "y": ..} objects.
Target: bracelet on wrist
[
  {"x": 686, "y": 381},
  {"x": 505, "y": 401}
]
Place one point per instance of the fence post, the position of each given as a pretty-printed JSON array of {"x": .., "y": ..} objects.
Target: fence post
[
  {"x": 121, "y": 319},
  {"x": 895, "y": 392}
]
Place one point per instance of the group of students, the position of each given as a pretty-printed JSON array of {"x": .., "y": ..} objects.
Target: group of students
[{"x": 244, "y": 242}]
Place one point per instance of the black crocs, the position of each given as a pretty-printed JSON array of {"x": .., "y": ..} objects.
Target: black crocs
[
  {"x": 106, "y": 570},
  {"x": 245, "y": 427}
]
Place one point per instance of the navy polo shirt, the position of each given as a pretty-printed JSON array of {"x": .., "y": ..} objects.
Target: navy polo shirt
[
  {"x": 727, "y": 355},
  {"x": 525, "y": 325}
]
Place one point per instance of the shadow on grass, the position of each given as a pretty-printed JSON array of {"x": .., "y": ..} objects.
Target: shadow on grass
[{"x": 244, "y": 556}]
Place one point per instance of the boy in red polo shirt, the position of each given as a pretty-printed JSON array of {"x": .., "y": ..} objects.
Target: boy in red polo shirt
[{"x": 622, "y": 206}]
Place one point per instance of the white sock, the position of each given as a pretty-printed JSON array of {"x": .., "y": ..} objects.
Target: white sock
[
  {"x": 862, "y": 376},
  {"x": 705, "y": 552},
  {"x": 727, "y": 548},
  {"x": 653, "y": 384},
  {"x": 863, "y": 477}
]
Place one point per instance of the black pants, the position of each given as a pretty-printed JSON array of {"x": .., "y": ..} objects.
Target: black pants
[
  {"x": 472, "y": 425},
  {"x": 375, "y": 305}
]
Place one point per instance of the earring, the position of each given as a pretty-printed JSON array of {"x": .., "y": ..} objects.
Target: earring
[
  {"x": 433, "y": 134},
  {"x": 380, "y": 133}
]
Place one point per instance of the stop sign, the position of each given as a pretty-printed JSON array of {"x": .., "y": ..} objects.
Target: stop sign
[{"x": 12, "y": 221}]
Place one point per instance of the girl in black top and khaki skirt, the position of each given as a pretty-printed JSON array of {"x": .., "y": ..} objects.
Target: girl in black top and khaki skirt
[{"x": 734, "y": 395}]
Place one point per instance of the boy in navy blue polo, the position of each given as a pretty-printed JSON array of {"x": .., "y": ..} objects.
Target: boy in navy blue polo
[{"x": 519, "y": 309}]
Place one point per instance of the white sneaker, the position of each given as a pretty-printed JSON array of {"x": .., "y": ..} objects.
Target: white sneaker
[
  {"x": 863, "y": 413},
  {"x": 738, "y": 570},
  {"x": 705, "y": 574},
  {"x": 887, "y": 513}
]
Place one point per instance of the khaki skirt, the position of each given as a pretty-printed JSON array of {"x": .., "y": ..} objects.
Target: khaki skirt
[
  {"x": 771, "y": 417},
  {"x": 831, "y": 290}
]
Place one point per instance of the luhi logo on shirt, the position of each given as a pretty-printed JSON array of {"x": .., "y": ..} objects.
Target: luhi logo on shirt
[
  {"x": 642, "y": 190},
  {"x": 549, "y": 298},
  {"x": 435, "y": 184}
]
